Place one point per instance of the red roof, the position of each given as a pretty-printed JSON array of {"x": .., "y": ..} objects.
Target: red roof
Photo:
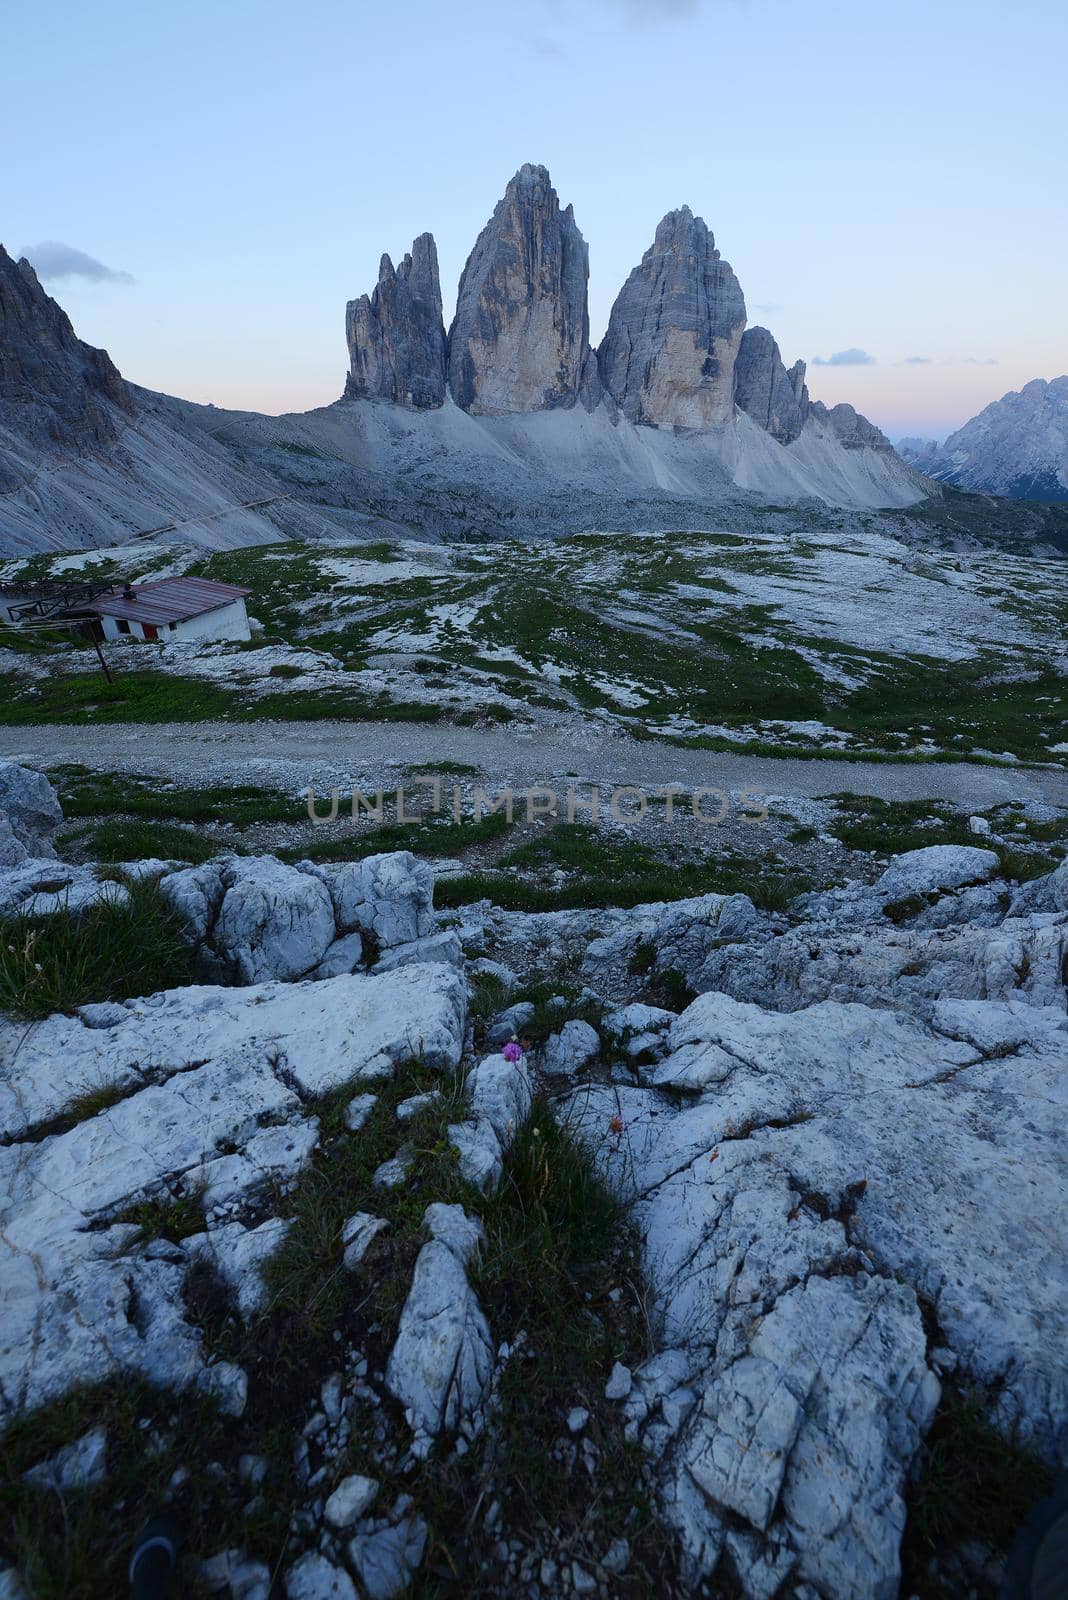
[{"x": 166, "y": 600}]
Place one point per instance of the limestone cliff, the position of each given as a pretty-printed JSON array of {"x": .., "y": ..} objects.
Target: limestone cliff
[
  {"x": 396, "y": 336},
  {"x": 520, "y": 339},
  {"x": 673, "y": 336},
  {"x": 766, "y": 391}
]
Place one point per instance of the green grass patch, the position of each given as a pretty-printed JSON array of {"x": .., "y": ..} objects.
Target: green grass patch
[
  {"x": 116, "y": 840},
  {"x": 974, "y": 1483},
  {"x": 135, "y": 696},
  {"x": 111, "y": 951},
  {"x": 431, "y": 835},
  {"x": 612, "y": 872},
  {"x": 83, "y": 793}
]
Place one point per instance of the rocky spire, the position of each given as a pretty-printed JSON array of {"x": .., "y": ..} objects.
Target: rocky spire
[
  {"x": 60, "y": 386},
  {"x": 520, "y": 340},
  {"x": 668, "y": 356},
  {"x": 775, "y": 398},
  {"x": 396, "y": 336}
]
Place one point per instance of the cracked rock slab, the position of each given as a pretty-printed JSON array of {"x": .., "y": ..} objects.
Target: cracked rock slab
[{"x": 835, "y": 1164}]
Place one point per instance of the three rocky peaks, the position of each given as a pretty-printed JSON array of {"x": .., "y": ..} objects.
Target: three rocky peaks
[{"x": 677, "y": 353}]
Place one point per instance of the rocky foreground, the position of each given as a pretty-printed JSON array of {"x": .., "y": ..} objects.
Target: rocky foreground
[{"x": 838, "y": 1134}]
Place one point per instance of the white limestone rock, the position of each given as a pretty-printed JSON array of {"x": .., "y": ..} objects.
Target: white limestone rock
[
  {"x": 276, "y": 1154},
  {"x": 481, "y": 1158},
  {"x": 1042, "y": 895},
  {"x": 839, "y": 1162},
  {"x": 274, "y": 922},
  {"x": 313, "y": 1577},
  {"x": 227, "y": 1384},
  {"x": 937, "y": 867},
  {"x": 639, "y": 1030},
  {"x": 386, "y": 1561},
  {"x": 344, "y": 955},
  {"x": 319, "y": 1036},
  {"x": 389, "y": 896},
  {"x": 500, "y": 1092},
  {"x": 464, "y": 1235},
  {"x": 904, "y": 968},
  {"x": 76, "y": 1466},
  {"x": 81, "y": 1299},
  {"x": 350, "y": 1500},
  {"x": 357, "y": 1235},
  {"x": 566, "y": 1053},
  {"x": 30, "y": 807},
  {"x": 442, "y": 1362},
  {"x": 237, "y": 1255},
  {"x": 443, "y": 947},
  {"x": 418, "y": 1103},
  {"x": 359, "y": 1110},
  {"x": 39, "y": 888},
  {"x": 509, "y": 1024}
]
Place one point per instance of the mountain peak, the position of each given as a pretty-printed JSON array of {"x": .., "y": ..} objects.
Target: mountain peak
[
  {"x": 520, "y": 338},
  {"x": 64, "y": 389},
  {"x": 396, "y": 335},
  {"x": 673, "y": 336}
]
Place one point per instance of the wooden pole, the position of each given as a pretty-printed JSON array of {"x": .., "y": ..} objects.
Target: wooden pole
[{"x": 103, "y": 664}]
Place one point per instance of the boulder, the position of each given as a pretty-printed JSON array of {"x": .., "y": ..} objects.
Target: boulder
[
  {"x": 674, "y": 333},
  {"x": 273, "y": 922},
  {"x": 500, "y": 1092},
  {"x": 566, "y": 1053},
  {"x": 435, "y": 947},
  {"x": 29, "y": 815},
  {"x": 389, "y": 896},
  {"x": 936, "y": 869},
  {"x": 520, "y": 338},
  {"x": 388, "y": 1559},
  {"x": 313, "y": 1577}
]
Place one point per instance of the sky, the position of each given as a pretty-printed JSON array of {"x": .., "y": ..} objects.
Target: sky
[{"x": 206, "y": 185}]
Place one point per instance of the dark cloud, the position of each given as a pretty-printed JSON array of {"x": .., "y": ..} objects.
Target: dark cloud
[
  {"x": 845, "y": 358},
  {"x": 917, "y": 361},
  {"x": 53, "y": 260}
]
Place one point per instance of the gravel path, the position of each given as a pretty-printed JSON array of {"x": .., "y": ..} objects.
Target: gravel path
[{"x": 292, "y": 755}]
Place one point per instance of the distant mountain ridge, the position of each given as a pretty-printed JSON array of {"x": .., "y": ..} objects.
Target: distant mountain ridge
[
  {"x": 507, "y": 423},
  {"x": 1017, "y": 446}
]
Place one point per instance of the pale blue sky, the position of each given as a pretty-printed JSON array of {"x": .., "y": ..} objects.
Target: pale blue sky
[{"x": 886, "y": 179}]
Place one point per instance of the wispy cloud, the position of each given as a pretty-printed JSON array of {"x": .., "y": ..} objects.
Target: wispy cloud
[
  {"x": 845, "y": 358},
  {"x": 647, "y": 11},
  {"x": 766, "y": 307},
  {"x": 543, "y": 44},
  {"x": 979, "y": 361},
  {"x": 917, "y": 361},
  {"x": 54, "y": 260}
]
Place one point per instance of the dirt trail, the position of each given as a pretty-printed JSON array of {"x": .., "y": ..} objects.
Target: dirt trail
[{"x": 294, "y": 754}]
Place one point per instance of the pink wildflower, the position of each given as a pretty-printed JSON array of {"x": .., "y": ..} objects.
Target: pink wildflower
[{"x": 512, "y": 1050}]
